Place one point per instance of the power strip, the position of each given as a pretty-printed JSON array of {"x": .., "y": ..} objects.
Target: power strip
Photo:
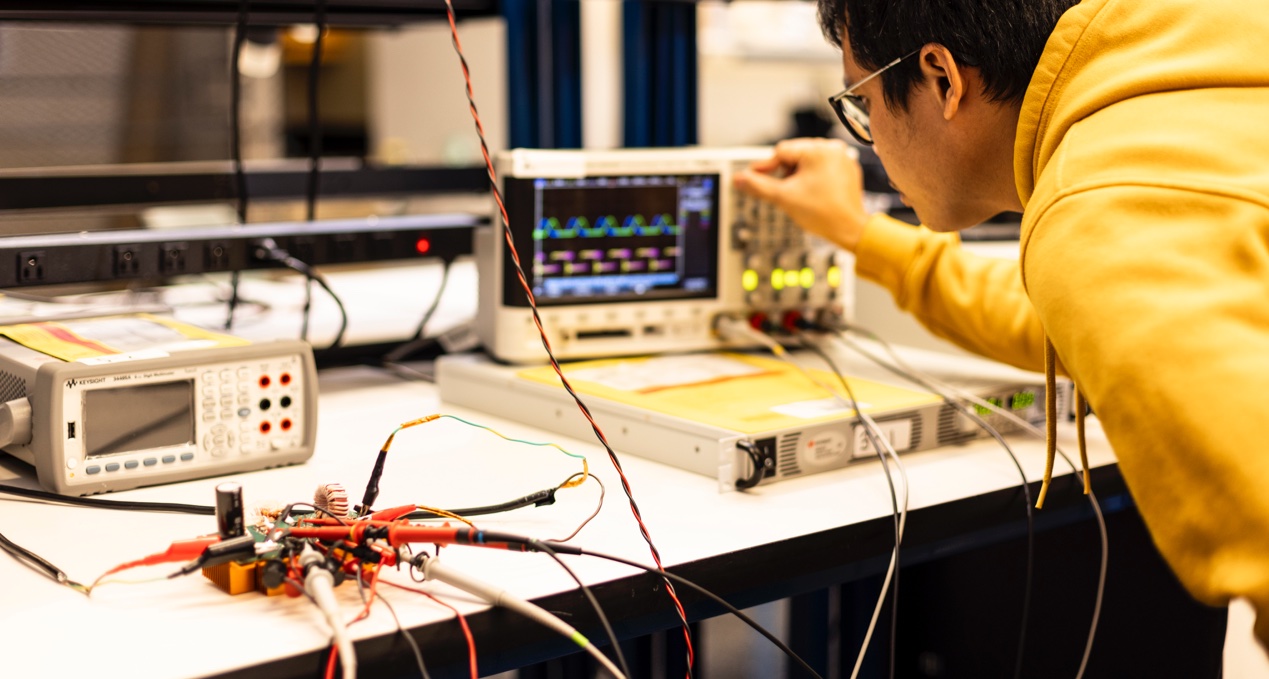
[{"x": 101, "y": 256}]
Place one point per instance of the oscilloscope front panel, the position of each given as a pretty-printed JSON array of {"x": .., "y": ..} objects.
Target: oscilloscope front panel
[{"x": 638, "y": 251}]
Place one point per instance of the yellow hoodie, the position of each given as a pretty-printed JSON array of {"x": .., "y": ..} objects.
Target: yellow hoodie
[{"x": 1142, "y": 159}]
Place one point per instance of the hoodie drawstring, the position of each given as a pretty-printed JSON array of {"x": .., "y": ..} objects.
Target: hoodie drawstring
[{"x": 1050, "y": 423}]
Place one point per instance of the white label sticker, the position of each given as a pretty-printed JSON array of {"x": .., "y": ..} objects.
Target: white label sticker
[
  {"x": 821, "y": 407},
  {"x": 121, "y": 358},
  {"x": 897, "y": 432}
]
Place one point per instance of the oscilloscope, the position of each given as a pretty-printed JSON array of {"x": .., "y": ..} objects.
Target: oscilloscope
[{"x": 639, "y": 250}]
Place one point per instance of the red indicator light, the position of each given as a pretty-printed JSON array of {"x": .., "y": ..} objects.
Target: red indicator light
[{"x": 422, "y": 246}]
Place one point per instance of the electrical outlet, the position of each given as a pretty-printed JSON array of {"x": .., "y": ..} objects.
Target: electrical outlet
[
  {"x": 382, "y": 246},
  {"x": 172, "y": 258},
  {"x": 30, "y": 267},
  {"x": 217, "y": 256},
  {"x": 344, "y": 246},
  {"x": 303, "y": 248},
  {"x": 127, "y": 261}
]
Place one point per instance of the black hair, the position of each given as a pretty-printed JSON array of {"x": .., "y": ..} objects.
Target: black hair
[{"x": 1003, "y": 39}]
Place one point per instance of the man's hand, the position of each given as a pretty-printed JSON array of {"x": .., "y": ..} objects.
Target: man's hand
[{"x": 821, "y": 187}]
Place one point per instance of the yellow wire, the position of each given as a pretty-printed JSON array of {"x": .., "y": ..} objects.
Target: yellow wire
[{"x": 445, "y": 513}]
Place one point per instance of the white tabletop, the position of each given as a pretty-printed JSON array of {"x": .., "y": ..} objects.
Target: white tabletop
[{"x": 185, "y": 627}]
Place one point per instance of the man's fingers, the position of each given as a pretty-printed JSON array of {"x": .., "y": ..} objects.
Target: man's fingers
[{"x": 759, "y": 185}]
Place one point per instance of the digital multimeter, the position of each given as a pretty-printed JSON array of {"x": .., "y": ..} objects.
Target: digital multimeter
[{"x": 156, "y": 415}]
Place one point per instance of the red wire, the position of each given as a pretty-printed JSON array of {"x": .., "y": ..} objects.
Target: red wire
[
  {"x": 330, "y": 664},
  {"x": 471, "y": 641},
  {"x": 334, "y": 651},
  {"x": 546, "y": 343}
]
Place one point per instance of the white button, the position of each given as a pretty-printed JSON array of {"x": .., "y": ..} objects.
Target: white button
[
  {"x": 243, "y": 373},
  {"x": 225, "y": 375},
  {"x": 72, "y": 462}
]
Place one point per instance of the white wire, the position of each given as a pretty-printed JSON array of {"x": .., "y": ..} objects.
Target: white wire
[
  {"x": 903, "y": 366},
  {"x": 894, "y": 556},
  {"x": 731, "y": 328},
  {"x": 433, "y": 570},
  {"x": 320, "y": 585}
]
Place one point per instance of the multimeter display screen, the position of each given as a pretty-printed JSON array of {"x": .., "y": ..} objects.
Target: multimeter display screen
[{"x": 138, "y": 418}]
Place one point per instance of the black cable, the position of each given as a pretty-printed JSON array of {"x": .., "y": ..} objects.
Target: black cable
[
  {"x": 314, "y": 143},
  {"x": 204, "y": 510},
  {"x": 314, "y": 121},
  {"x": 420, "y": 338},
  {"x": 759, "y": 466},
  {"x": 36, "y": 562},
  {"x": 41, "y": 564},
  {"x": 599, "y": 610},
  {"x": 894, "y": 499},
  {"x": 414, "y": 646},
  {"x": 308, "y": 308},
  {"x": 235, "y": 134},
  {"x": 436, "y": 301},
  {"x": 235, "y": 103},
  {"x": 569, "y": 549},
  {"x": 1026, "y": 486},
  {"x": 538, "y": 499},
  {"x": 234, "y": 279},
  {"x": 267, "y": 249}
]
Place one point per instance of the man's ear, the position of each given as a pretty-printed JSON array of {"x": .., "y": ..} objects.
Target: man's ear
[{"x": 943, "y": 77}]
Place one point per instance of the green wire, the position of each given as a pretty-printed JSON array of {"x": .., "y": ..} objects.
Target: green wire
[{"x": 495, "y": 433}]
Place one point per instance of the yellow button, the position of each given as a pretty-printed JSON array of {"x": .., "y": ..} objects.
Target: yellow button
[
  {"x": 749, "y": 280},
  {"x": 777, "y": 279},
  {"x": 834, "y": 276}
]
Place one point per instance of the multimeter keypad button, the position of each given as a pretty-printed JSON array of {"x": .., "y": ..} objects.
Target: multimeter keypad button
[
  {"x": 131, "y": 464},
  {"x": 169, "y": 459},
  {"x": 226, "y": 414},
  {"x": 209, "y": 416},
  {"x": 112, "y": 467},
  {"x": 186, "y": 457},
  {"x": 244, "y": 412},
  {"x": 218, "y": 452},
  {"x": 92, "y": 469},
  {"x": 150, "y": 461},
  {"x": 225, "y": 374},
  {"x": 243, "y": 373}
]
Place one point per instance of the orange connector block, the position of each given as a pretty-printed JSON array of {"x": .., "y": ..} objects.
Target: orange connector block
[{"x": 239, "y": 578}]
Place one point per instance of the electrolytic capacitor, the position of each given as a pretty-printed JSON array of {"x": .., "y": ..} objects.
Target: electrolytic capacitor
[{"x": 229, "y": 511}]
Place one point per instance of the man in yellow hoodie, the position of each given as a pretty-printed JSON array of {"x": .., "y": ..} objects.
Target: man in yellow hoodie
[{"x": 1134, "y": 138}]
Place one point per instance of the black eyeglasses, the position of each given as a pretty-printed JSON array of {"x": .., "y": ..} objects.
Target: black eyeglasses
[{"x": 851, "y": 109}]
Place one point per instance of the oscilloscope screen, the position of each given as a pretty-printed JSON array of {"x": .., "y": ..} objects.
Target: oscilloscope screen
[{"x": 613, "y": 239}]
